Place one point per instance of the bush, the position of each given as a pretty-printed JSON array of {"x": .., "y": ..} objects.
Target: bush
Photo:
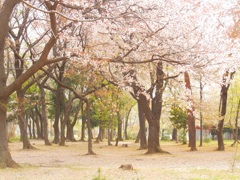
[
  {"x": 207, "y": 140},
  {"x": 165, "y": 138}
]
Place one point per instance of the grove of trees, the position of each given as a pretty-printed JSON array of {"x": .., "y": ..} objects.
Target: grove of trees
[{"x": 65, "y": 60}]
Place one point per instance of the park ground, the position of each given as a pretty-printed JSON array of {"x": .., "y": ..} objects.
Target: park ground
[{"x": 71, "y": 162}]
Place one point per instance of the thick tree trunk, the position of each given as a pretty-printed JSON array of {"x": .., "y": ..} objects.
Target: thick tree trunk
[
  {"x": 119, "y": 133},
  {"x": 142, "y": 131},
  {"x": 22, "y": 121},
  {"x": 191, "y": 117},
  {"x": 83, "y": 125},
  {"x": 227, "y": 77},
  {"x": 65, "y": 120},
  {"x": 62, "y": 134},
  {"x": 5, "y": 156},
  {"x": 57, "y": 115},
  {"x": 70, "y": 133},
  {"x": 39, "y": 133},
  {"x": 40, "y": 123},
  {"x": 5, "y": 13},
  {"x": 174, "y": 135},
  {"x": 152, "y": 112},
  {"x": 44, "y": 116},
  {"x": 83, "y": 129},
  {"x": 153, "y": 139},
  {"x": 223, "y": 108},
  {"x": 90, "y": 149}
]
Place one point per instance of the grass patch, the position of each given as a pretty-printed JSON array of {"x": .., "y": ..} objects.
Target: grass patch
[
  {"x": 99, "y": 175},
  {"x": 14, "y": 139}
]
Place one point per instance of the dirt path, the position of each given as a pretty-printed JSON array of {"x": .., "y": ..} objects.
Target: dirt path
[{"x": 70, "y": 162}]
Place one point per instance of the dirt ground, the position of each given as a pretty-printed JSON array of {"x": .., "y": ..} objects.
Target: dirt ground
[{"x": 71, "y": 162}]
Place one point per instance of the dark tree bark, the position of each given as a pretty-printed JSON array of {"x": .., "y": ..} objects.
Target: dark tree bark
[
  {"x": 66, "y": 119},
  {"x": 88, "y": 112},
  {"x": 236, "y": 126},
  {"x": 83, "y": 125},
  {"x": 174, "y": 135},
  {"x": 191, "y": 117},
  {"x": 6, "y": 91},
  {"x": 40, "y": 123},
  {"x": 44, "y": 112},
  {"x": 37, "y": 121},
  {"x": 33, "y": 124},
  {"x": 22, "y": 121},
  {"x": 58, "y": 107},
  {"x": 5, "y": 13},
  {"x": 119, "y": 132},
  {"x": 226, "y": 79},
  {"x": 19, "y": 69},
  {"x": 152, "y": 113},
  {"x": 142, "y": 130},
  {"x": 70, "y": 125},
  {"x": 58, "y": 102}
]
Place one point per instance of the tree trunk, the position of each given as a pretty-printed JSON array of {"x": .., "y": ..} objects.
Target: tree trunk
[
  {"x": 39, "y": 133},
  {"x": 40, "y": 123},
  {"x": 66, "y": 119},
  {"x": 191, "y": 117},
  {"x": 62, "y": 134},
  {"x": 152, "y": 113},
  {"x": 70, "y": 125},
  {"x": 119, "y": 133},
  {"x": 70, "y": 133},
  {"x": 227, "y": 77},
  {"x": 44, "y": 115},
  {"x": 57, "y": 115},
  {"x": 142, "y": 131},
  {"x": 5, "y": 156},
  {"x": 90, "y": 150},
  {"x": 174, "y": 135},
  {"x": 22, "y": 121},
  {"x": 83, "y": 125},
  {"x": 5, "y": 13},
  {"x": 33, "y": 127}
]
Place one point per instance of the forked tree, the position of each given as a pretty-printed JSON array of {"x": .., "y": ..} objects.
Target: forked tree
[{"x": 226, "y": 81}]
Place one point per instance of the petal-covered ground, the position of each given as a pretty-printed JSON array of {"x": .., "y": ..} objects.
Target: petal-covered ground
[{"x": 71, "y": 162}]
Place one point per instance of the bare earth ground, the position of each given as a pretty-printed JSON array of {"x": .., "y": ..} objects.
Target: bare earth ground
[{"x": 70, "y": 162}]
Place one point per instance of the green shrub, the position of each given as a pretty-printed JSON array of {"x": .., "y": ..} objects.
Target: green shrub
[
  {"x": 99, "y": 176},
  {"x": 165, "y": 138},
  {"x": 206, "y": 140}
]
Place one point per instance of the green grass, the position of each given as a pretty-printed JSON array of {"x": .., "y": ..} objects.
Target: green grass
[{"x": 14, "y": 139}]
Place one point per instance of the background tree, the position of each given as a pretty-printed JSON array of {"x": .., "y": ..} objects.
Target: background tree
[{"x": 179, "y": 119}]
